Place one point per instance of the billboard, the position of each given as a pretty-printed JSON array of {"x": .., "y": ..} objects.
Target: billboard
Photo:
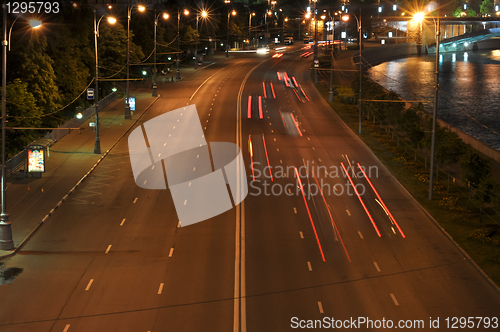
[{"x": 36, "y": 159}]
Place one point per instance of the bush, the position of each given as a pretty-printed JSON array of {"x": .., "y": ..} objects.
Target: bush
[
  {"x": 482, "y": 235},
  {"x": 474, "y": 166}
]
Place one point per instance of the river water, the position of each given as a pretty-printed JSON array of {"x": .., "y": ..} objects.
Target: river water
[{"x": 470, "y": 89}]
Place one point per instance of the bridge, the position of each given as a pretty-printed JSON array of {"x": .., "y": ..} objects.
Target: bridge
[{"x": 456, "y": 33}]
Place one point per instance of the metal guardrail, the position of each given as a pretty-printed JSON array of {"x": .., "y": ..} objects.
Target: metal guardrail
[{"x": 17, "y": 162}]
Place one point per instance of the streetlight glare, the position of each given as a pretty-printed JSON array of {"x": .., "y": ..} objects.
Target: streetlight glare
[
  {"x": 204, "y": 13},
  {"x": 111, "y": 20},
  {"x": 165, "y": 16},
  {"x": 323, "y": 17},
  {"x": 308, "y": 15},
  {"x": 141, "y": 8},
  {"x": 186, "y": 12},
  {"x": 345, "y": 18},
  {"x": 35, "y": 24},
  {"x": 418, "y": 17},
  {"x": 253, "y": 14},
  {"x": 233, "y": 12}
]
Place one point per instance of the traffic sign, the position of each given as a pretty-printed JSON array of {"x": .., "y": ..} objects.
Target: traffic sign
[
  {"x": 90, "y": 94},
  {"x": 316, "y": 63}
]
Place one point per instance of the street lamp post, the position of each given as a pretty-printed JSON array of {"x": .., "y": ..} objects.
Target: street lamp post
[
  {"x": 165, "y": 16},
  {"x": 6, "y": 242},
  {"x": 316, "y": 79},
  {"x": 330, "y": 92},
  {"x": 129, "y": 15},
  {"x": 203, "y": 14},
  {"x": 434, "y": 115},
  {"x": 186, "y": 12},
  {"x": 229, "y": 13},
  {"x": 346, "y": 18},
  {"x": 111, "y": 20},
  {"x": 250, "y": 27}
]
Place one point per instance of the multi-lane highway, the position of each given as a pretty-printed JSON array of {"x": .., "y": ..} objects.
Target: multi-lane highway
[{"x": 113, "y": 257}]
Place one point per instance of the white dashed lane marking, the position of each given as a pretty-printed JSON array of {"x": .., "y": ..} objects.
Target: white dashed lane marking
[{"x": 89, "y": 284}]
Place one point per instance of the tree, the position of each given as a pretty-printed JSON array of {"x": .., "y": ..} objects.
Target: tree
[
  {"x": 36, "y": 70},
  {"x": 72, "y": 76},
  {"x": 410, "y": 123},
  {"x": 486, "y": 7},
  {"x": 113, "y": 50},
  {"x": 484, "y": 192},
  {"x": 191, "y": 34},
  {"x": 22, "y": 111},
  {"x": 474, "y": 167}
]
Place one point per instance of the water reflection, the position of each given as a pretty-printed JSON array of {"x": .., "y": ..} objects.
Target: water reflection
[{"x": 469, "y": 94}]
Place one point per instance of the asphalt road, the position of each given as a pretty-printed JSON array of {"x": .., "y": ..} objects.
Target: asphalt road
[{"x": 112, "y": 258}]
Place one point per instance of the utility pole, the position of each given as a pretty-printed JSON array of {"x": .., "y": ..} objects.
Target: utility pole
[
  {"x": 316, "y": 80},
  {"x": 434, "y": 114}
]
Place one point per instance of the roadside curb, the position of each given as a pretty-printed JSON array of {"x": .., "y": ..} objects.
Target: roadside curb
[
  {"x": 210, "y": 64},
  {"x": 7, "y": 254},
  {"x": 427, "y": 213}
]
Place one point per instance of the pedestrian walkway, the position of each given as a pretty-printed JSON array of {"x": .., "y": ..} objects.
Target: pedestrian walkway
[
  {"x": 31, "y": 200},
  {"x": 188, "y": 69}
]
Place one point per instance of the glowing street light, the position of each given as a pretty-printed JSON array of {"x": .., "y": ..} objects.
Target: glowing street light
[
  {"x": 35, "y": 24},
  {"x": 419, "y": 17}
]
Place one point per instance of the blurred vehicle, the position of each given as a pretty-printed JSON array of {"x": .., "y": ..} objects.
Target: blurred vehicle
[{"x": 288, "y": 40}]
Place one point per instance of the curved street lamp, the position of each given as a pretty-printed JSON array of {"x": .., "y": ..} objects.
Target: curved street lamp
[
  {"x": 186, "y": 13},
  {"x": 129, "y": 16},
  {"x": 111, "y": 20},
  {"x": 203, "y": 14},
  {"x": 229, "y": 13},
  {"x": 6, "y": 242},
  {"x": 346, "y": 18},
  {"x": 165, "y": 17}
]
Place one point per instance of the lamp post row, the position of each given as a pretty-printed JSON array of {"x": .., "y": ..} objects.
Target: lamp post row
[{"x": 6, "y": 242}]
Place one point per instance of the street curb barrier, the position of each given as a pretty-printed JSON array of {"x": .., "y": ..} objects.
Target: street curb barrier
[{"x": 37, "y": 227}]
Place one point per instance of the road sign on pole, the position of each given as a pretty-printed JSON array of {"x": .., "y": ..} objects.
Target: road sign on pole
[{"x": 90, "y": 94}]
